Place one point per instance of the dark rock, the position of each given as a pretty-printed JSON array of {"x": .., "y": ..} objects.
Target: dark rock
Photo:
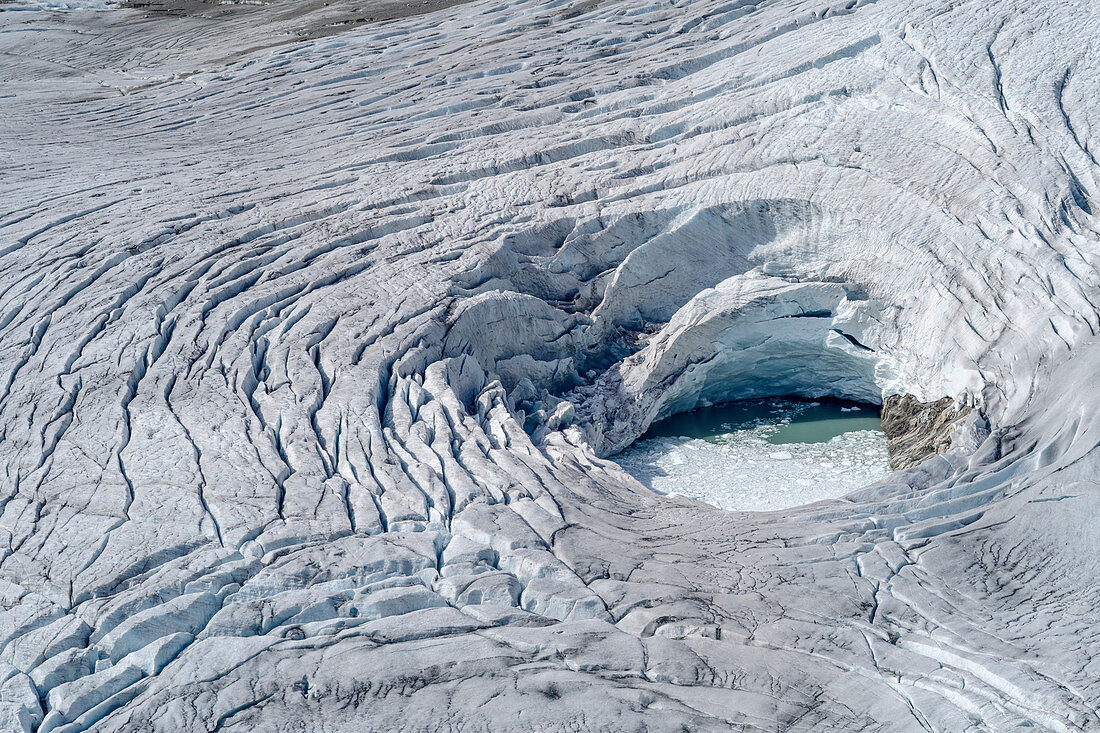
[{"x": 917, "y": 430}]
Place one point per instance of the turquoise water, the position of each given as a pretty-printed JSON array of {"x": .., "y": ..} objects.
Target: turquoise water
[
  {"x": 794, "y": 420},
  {"x": 762, "y": 455}
]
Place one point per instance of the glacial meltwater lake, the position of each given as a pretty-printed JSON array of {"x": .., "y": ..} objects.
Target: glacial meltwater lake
[{"x": 762, "y": 455}]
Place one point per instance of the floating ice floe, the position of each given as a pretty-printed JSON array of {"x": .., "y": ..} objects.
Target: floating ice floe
[{"x": 741, "y": 470}]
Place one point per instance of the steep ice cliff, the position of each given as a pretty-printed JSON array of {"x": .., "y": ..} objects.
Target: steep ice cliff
[{"x": 313, "y": 343}]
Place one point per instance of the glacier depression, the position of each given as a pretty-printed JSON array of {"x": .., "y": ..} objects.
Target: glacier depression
[{"x": 319, "y": 323}]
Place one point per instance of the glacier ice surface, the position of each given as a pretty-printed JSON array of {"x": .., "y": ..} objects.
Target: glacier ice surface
[{"x": 315, "y": 333}]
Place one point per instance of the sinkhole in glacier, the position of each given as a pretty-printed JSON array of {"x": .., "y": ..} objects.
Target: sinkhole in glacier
[{"x": 762, "y": 455}]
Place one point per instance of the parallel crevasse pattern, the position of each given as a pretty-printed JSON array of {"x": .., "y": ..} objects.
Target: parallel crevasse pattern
[{"x": 308, "y": 352}]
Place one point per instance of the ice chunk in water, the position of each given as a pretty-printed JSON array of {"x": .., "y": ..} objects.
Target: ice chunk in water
[{"x": 741, "y": 468}]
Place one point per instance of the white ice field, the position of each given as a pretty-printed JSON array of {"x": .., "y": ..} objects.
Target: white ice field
[{"x": 316, "y": 330}]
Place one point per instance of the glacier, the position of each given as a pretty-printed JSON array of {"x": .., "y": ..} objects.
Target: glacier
[{"x": 320, "y": 321}]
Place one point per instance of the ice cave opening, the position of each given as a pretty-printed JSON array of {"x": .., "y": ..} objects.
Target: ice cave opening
[{"x": 762, "y": 454}]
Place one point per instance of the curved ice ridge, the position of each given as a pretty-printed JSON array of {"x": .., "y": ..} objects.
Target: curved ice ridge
[{"x": 309, "y": 350}]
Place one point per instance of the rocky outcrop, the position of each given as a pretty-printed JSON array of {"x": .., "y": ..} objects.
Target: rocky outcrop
[{"x": 917, "y": 430}]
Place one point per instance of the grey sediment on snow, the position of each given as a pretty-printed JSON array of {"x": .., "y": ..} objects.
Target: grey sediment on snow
[
  {"x": 311, "y": 356},
  {"x": 284, "y": 21}
]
